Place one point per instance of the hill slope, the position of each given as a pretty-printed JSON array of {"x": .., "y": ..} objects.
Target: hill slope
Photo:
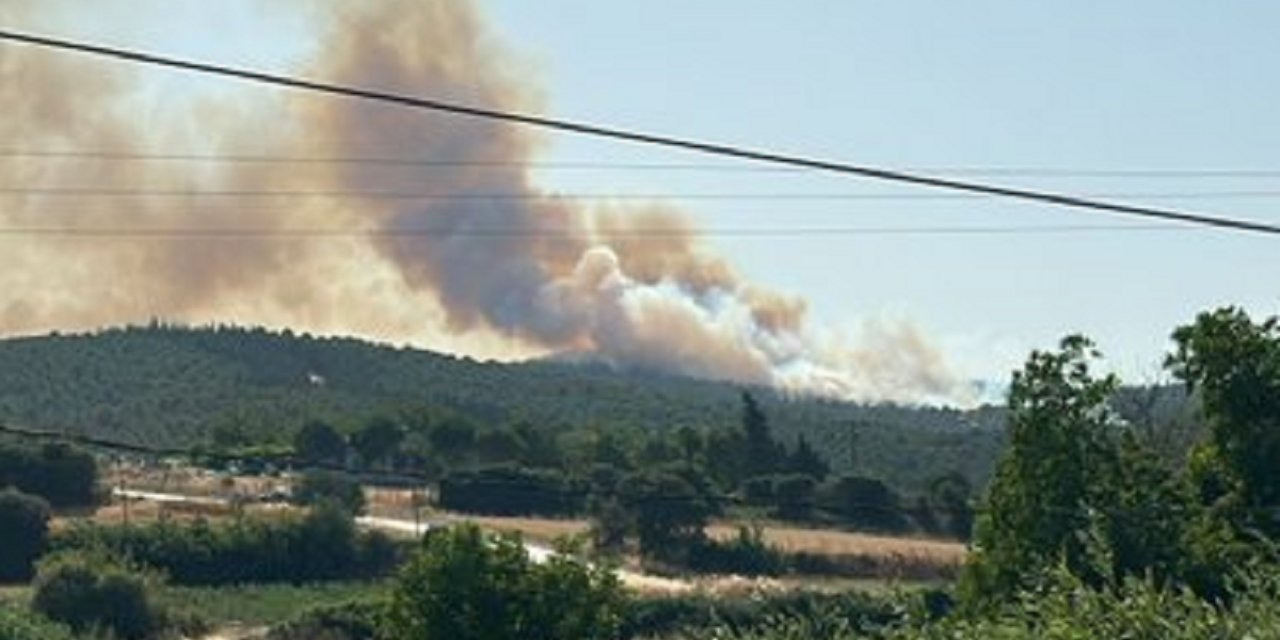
[{"x": 172, "y": 386}]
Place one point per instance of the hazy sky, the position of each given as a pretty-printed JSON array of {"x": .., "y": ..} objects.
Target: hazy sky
[{"x": 933, "y": 86}]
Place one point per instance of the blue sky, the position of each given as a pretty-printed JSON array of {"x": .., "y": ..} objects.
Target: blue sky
[
  {"x": 919, "y": 85},
  {"x": 1085, "y": 85}
]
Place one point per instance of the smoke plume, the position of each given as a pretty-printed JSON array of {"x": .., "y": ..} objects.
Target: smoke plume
[{"x": 494, "y": 266}]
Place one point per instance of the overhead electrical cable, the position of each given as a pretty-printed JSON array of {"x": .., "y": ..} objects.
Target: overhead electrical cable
[{"x": 639, "y": 137}]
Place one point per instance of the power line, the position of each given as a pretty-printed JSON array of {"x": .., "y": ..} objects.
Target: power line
[
  {"x": 632, "y": 136},
  {"x": 1049, "y": 172},
  {"x": 128, "y": 192}
]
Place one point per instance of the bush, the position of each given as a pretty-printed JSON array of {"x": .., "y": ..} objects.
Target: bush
[
  {"x": 462, "y": 585},
  {"x": 320, "y": 487},
  {"x": 722, "y": 617},
  {"x": 19, "y": 625},
  {"x": 324, "y": 545},
  {"x": 513, "y": 491},
  {"x": 24, "y": 519},
  {"x": 747, "y": 554},
  {"x": 356, "y": 620},
  {"x": 863, "y": 502},
  {"x": 63, "y": 475},
  {"x": 92, "y": 591}
]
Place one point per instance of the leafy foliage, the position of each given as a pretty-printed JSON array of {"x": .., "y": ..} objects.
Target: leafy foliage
[
  {"x": 20, "y": 625},
  {"x": 324, "y": 545},
  {"x": 463, "y": 585},
  {"x": 1234, "y": 364},
  {"x": 93, "y": 591},
  {"x": 24, "y": 519},
  {"x": 319, "y": 487},
  {"x": 512, "y": 491},
  {"x": 175, "y": 386},
  {"x": 63, "y": 475}
]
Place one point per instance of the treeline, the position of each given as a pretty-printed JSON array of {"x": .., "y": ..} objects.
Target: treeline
[
  {"x": 742, "y": 468},
  {"x": 180, "y": 387}
]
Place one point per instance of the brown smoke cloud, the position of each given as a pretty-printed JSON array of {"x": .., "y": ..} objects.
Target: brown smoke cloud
[{"x": 578, "y": 276}]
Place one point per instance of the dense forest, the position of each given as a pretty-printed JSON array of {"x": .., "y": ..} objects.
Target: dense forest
[{"x": 169, "y": 385}]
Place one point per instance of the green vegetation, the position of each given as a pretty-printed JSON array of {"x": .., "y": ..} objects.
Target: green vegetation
[
  {"x": 1098, "y": 521},
  {"x": 323, "y": 545},
  {"x": 63, "y": 475},
  {"x": 16, "y": 624},
  {"x": 96, "y": 592},
  {"x": 24, "y": 519},
  {"x": 266, "y": 604},
  {"x": 320, "y": 488},
  {"x": 232, "y": 388},
  {"x": 463, "y": 585}
]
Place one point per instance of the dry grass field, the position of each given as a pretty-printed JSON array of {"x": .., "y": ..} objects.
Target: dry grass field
[
  {"x": 868, "y": 555},
  {"x": 831, "y": 542}
]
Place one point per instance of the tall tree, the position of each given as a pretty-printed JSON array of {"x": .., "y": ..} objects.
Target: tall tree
[
  {"x": 1233, "y": 364},
  {"x": 1042, "y": 495},
  {"x": 805, "y": 460},
  {"x": 763, "y": 455}
]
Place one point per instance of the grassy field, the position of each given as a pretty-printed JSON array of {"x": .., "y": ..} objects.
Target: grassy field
[
  {"x": 253, "y": 605},
  {"x": 920, "y": 555}
]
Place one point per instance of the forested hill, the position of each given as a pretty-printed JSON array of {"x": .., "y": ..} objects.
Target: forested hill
[{"x": 173, "y": 386}]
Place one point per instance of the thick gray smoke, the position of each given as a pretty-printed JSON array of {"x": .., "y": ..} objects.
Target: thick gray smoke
[{"x": 574, "y": 278}]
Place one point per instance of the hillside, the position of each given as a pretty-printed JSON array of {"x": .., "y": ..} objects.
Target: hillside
[{"x": 173, "y": 385}]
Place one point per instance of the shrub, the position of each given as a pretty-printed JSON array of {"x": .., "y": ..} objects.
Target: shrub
[
  {"x": 24, "y": 519},
  {"x": 356, "y": 620},
  {"x": 747, "y": 554},
  {"x": 462, "y": 585},
  {"x": 320, "y": 487},
  {"x": 512, "y": 491},
  {"x": 19, "y": 625},
  {"x": 722, "y": 617},
  {"x": 65, "y": 476},
  {"x": 92, "y": 591},
  {"x": 324, "y": 545}
]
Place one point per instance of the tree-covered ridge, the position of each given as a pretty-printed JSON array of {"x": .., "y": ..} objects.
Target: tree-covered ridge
[{"x": 172, "y": 385}]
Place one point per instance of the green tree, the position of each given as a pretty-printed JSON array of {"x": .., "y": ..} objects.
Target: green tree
[
  {"x": 319, "y": 442},
  {"x": 1044, "y": 489},
  {"x": 805, "y": 460},
  {"x": 764, "y": 456},
  {"x": 316, "y": 488},
  {"x": 24, "y": 519},
  {"x": 949, "y": 495},
  {"x": 864, "y": 502},
  {"x": 378, "y": 441},
  {"x": 1233, "y": 364},
  {"x": 669, "y": 513},
  {"x": 88, "y": 592},
  {"x": 453, "y": 439},
  {"x": 463, "y": 585},
  {"x": 794, "y": 495}
]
